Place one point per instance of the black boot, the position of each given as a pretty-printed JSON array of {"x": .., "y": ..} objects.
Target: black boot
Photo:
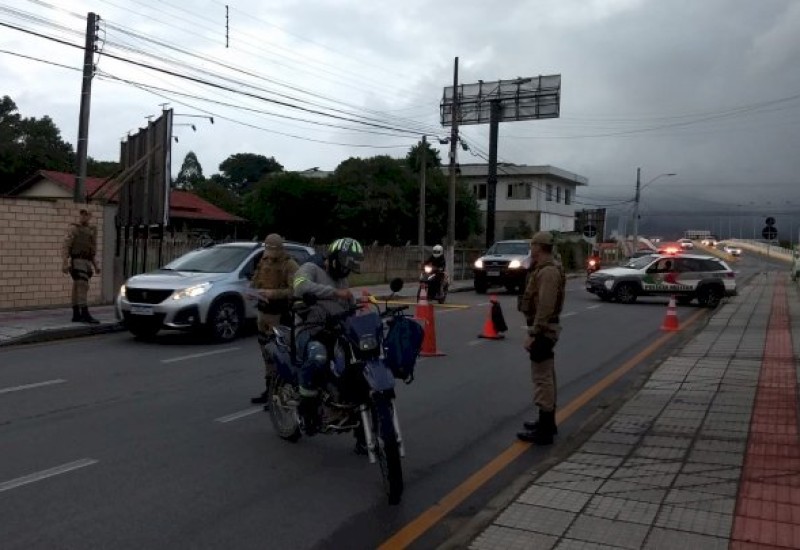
[
  {"x": 309, "y": 413},
  {"x": 87, "y": 318},
  {"x": 361, "y": 442},
  {"x": 77, "y": 317},
  {"x": 532, "y": 426},
  {"x": 544, "y": 431}
]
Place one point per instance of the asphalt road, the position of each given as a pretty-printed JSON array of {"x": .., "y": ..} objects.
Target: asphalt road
[{"x": 108, "y": 442}]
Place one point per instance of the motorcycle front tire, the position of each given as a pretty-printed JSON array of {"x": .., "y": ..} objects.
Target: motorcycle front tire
[
  {"x": 283, "y": 416},
  {"x": 388, "y": 449}
]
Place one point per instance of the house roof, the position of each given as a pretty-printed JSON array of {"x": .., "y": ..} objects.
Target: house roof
[
  {"x": 520, "y": 170},
  {"x": 183, "y": 204}
]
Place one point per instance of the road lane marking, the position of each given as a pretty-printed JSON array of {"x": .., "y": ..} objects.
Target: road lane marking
[
  {"x": 429, "y": 518},
  {"x": 240, "y": 414},
  {"x": 198, "y": 355},
  {"x": 475, "y": 342},
  {"x": 594, "y": 306},
  {"x": 569, "y": 314},
  {"x": 44, "y": 474},
  {"x": 31, "y": 386}
]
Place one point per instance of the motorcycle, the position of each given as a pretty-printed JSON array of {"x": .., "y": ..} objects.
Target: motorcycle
[
  {"x": 592, "y": 265},
  {"x": 427, "y": 277},
  {"x": 371, "y": 348}
]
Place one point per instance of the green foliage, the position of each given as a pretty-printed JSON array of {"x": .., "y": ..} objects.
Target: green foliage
[
  {"x": 215, "y": 192},
  {"x": 101, "y": 168},
  {"x": 190, "y": 174},
  {"x": 28, "y": 145},
  {"x": 414, "y": 157},
  {"x": 240, "y": 172}
]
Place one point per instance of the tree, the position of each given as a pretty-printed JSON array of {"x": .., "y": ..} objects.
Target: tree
[
  {"x": 414, "y": 157},
  {"x": 191, "y": 172},
  {"x": 28, "y": 145},
  {"x": 214, "y": 191},
  {"x": 243, "y": 170},
  {"x": 101, "y": 168}
]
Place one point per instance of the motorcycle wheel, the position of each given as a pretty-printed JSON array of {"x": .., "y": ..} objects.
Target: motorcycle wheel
[
  {"x": 282, "y": 414},
  {"x": 443, "y": 295},
  {"x": 388, "y": 450}
]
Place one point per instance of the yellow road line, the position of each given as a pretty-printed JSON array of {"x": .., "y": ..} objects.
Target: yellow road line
[{"x": 422, "y": 523}]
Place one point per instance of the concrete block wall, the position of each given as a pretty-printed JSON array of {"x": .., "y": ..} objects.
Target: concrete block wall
[{"x": 32, "y": 232}]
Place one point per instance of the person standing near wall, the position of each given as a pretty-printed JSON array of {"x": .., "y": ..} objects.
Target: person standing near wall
[{"x": 79, "y": 259}]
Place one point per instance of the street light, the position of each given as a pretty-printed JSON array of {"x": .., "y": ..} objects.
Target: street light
[{"x": 639, "y": 188}]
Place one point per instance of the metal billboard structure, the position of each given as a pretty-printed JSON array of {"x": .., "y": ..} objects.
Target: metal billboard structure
[
  {"x": 143, "y": 187},
  {"x": 498, "y": 101}
]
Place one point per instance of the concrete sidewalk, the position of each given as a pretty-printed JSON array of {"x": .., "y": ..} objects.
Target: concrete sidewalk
[
  {"x": 25, "y": 327},
  {"x": 706, "y": 455}
]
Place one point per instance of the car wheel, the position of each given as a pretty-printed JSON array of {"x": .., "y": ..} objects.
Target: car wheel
[
  {"x": 709, "y": 296},
  {"x": 225, "y": 320},
  {"x": 481, "y": 286},
  {"x": 625, "y": 293},
  {"x": 144, "y": 331}
]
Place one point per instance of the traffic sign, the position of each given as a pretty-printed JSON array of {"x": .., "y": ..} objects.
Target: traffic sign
[
  {"x": 589, "y": 231},
  {"x": 769, "y": 233},
  {"x": 770, "y": 221}
]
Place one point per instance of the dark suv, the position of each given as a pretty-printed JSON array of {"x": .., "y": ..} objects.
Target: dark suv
[{"x": 505, "y": 264}]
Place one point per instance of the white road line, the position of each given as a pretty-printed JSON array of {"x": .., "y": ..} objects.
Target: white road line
[
  {"x": 475, "y": 342},
  {"x": 568, "y": 314},
  {"x": 594, "y": 306},
  {"x": 197, "y": 355},
  {"x": 31, "y": 386},
  {"x": 44, "y": 474},
  {"x": 237, "y": 415}
]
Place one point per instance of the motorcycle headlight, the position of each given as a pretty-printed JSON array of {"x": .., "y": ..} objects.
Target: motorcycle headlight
[
  {"x": 192, "y": 291},
  {"x": 515, "y": 264},
  {"x": 479, "y": 263},
  {"x": 428, "y": 269}
]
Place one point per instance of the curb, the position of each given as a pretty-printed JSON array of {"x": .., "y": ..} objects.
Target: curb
[{"x": 48, "y": 335}]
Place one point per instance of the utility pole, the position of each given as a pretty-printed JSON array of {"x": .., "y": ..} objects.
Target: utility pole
[
  {"x": 491, "y": 181},
  {"x": 636, "y": 210},
  {"x": 422, "y": 174},
  {"x": 451, "y": 205},
  {"x": 86, "y": 103}
]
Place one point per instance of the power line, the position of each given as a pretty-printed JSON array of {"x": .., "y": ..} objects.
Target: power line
[{"x": 46, "y": 61}]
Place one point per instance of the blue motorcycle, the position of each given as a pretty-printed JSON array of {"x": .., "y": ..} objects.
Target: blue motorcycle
[{"x": 359, "y": 352}]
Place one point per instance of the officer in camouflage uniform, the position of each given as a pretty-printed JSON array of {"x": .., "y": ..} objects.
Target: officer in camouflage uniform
[
  {"x": 78, "y": 254},
  {"x": 542, "y": 304},
  {"x": 273, "y": 279}
]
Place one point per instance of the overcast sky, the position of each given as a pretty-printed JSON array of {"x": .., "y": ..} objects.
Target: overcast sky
[{"x": 707, "y": 89}]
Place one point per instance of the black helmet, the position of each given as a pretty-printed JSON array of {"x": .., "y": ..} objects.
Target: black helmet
[{"x": 344, "y": 257}]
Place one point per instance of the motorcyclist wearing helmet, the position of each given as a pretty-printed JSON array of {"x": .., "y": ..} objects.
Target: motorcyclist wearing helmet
[
  {"x": 329, "y": 284},
  {"x": 439, "y": 263}
]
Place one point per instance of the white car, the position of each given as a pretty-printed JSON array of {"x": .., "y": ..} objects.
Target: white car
[
  {"x": 686, "y": 244},
  {"x": 205, "y": 289},
  {"x": 732, "y": 250}
]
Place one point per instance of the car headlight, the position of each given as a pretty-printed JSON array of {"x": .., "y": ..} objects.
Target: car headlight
[
  {"x": 192, "y": 291},
  {"x": 609, "y": 283},
  {"x": 479, "y": 263},
  {"x": 515, "y": 264},
  {"x": 122, "y": 291}
]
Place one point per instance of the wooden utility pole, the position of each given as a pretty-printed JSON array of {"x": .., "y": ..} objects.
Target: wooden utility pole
[
  {"x": 451, "y": 205},
  {"x": 86, "y": 103},
  {"x": 422, "y": 175}
]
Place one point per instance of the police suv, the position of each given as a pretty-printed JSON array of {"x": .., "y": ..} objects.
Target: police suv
[{"x": 688, "y": 277}]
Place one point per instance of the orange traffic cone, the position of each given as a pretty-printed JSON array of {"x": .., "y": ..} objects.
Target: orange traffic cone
[
  {"x": 495, "y": 323},
  {"x": 671, "y": 319},
  {"x": 426, "y": 316}
]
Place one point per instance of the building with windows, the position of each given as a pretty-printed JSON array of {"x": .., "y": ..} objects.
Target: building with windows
[{"x": 535, "y": 198}]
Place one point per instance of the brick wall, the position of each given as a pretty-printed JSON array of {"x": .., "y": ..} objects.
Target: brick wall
[{"x": 32, "y": 232}]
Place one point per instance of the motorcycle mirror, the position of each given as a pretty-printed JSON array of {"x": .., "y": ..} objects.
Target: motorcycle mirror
[
  {"x": 396, "y": 284},
  {"x": 309, "y": 299}
]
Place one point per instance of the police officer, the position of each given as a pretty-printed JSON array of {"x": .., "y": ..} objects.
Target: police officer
[
  {"x": 541, "y": 305},
  {"x": 78, "y": 255},
  {"x": 273, "y": 280}
]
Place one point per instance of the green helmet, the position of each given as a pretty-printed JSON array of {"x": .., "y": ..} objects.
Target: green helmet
[{"x": 344, "y": 257}]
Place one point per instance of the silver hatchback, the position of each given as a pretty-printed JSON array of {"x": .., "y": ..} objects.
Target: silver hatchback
[{"x": 205, "y": 289}]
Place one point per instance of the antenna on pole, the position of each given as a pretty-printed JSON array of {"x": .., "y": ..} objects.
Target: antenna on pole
[{"x": 227, "y": 26}]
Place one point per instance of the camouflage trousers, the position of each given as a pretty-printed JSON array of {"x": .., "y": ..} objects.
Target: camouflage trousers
[
  {"x": 81, "y": 272},
  {"x": 265, "y": 323},
  {"x": 543, "y": 374}
]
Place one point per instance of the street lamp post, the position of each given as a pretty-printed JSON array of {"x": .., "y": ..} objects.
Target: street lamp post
[{"x": 639, "y": 188}]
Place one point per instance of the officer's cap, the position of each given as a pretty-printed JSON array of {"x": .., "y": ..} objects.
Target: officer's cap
[
  {"x": 542, "y": 237},
  {"x": 273, "y": 245}
]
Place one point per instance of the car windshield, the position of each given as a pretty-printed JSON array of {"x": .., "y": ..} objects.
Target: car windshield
[
  {"x": 218, "y": 259},
  {"x": 515, "y": 249},
  {"x": 639, "y": 263}
]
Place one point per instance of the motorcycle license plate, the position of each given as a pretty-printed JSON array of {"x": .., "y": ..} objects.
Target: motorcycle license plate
[
  {"x": 493, "y": 273},
  {"x": 142, "y": 310}
]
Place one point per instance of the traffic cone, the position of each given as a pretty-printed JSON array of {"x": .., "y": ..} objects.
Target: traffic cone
[
  {"x": 671, "y": 319},
  {"x": 426, "y": 316},
  {"x": 495, "y": 323}
]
